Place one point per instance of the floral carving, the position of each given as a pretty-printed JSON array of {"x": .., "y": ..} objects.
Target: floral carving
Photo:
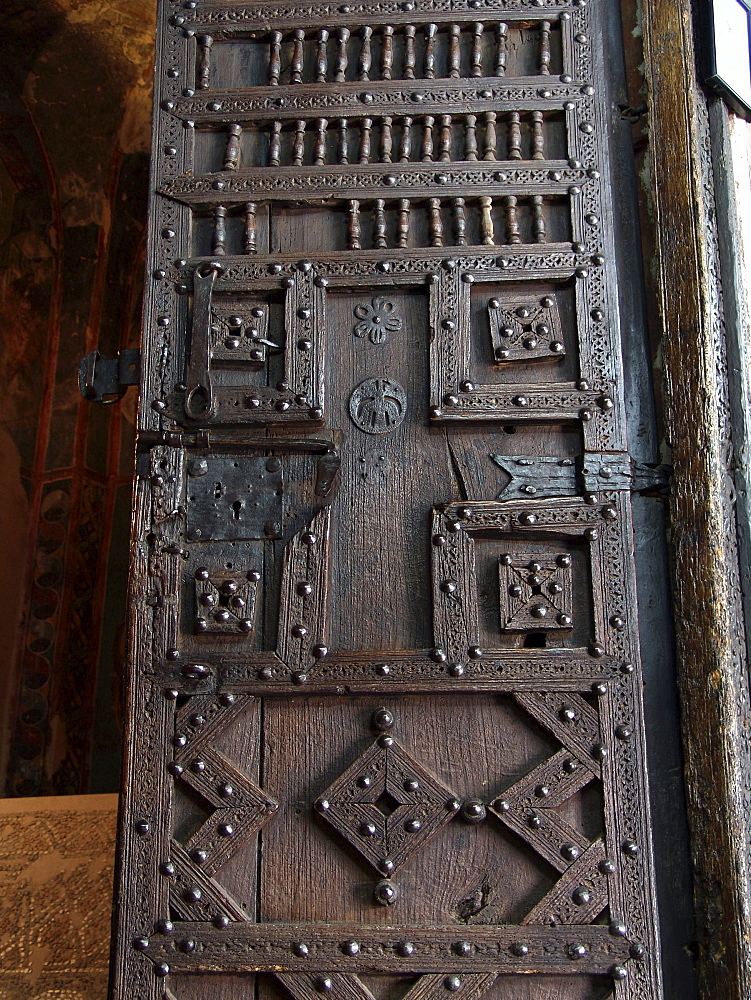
[{"x": 377, "y": 320}]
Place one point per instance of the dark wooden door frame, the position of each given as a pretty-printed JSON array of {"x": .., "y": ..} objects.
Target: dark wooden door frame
[{"x": 711, "y": 650}]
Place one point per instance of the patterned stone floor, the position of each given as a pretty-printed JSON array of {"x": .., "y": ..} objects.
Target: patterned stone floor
[{"x": 56, "y": 870}]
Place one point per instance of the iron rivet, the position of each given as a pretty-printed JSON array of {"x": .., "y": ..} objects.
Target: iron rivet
[
  {"x": 581, "y": 895},
  {"x": 220, "y": 921},
  {"x": 473, "y": 811},
  {"x": 534, "y": 822},
  {"x": 596, "y": 650},
  {"x": 462, "y": 948},
  {"x": 382, "y": 719},
  {"x": 576, "y": 951},
  {"x": 141, "y": 944},
  {"x": 519, "y": 949},
  {"x": 351, "y": 948},
  {"x": 323, "y": 984},
  {"x": 637, "y": 951},
  {"x": 619, "y": 972},
  {"x": 167, "y": 868},
  {"x": 502, "y": 806},
  {"x": 452, "y": 983},
  {"x": 382, "y": 669},
  {"x": 606, "y": 867},
  {"x": 413, "y": 826},
  {"x": 570, "y": 852},
  {"x": 187, "y": 945},
  {"x": 142, "y": 827},
  {"x": 300, "y": 949},
  {"x": 385, "y": 741},
  {"x": 199, "y": 857},
  {"x": 161, "y": 969},
  {"x": 164, "y": 926},
  {"x": 367, "y": 829},
  {"x": 599, "y": 688},
  {"x": 630, "y": 848},
  {"x": 599, "y": 751},
  {"x": 618, "y": 929},
  {"x": 411, "y": 785},
  {"x": 405, "y": 948},
  {"x": 385, "y": 892},
  {"x": 299, "y": 677}
]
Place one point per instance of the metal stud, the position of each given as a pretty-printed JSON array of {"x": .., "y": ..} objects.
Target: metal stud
[
  {"x": 164, "y": 926},
  {"x": 519, "y": 949},
  {"x": 569, "y": 852},
  {"x": 452, "y": 983},
  {"x": 351, "y": 948},
  {"x": 382, "y": 719},
  {"x": 220, "y": 921},
  {"x": 473, "y": 811},
  {"x": 577, "y": 951},
  {"x": 462, "y": 948},
  {"x": 323, "y": 984},
  {"x": 619, "y": 972},
  {"x": 581, "y": 895},
  {"x": 385, "y": 893},
  {"x": 630, "y": 848},
  {"x": 405, "y": 948},
  {"x": 299, "y": 949}
]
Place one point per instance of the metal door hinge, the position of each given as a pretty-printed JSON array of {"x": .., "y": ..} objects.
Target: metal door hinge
[
  {"x": 543, "y": 476},
  {"x": 105, "y": 380}
]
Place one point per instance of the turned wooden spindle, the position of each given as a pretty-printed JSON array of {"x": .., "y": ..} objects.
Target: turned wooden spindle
[
  {"x": 343, "y": 145},
  {"x": 538, "y": 137},
  {"x": 298, "y": 144},
  {"x": 514, "y": 136},
  {"x": 429, "y": 62},
  {"x": 364, "y": 153},
  {"x": 470, "y": 137},
  {"x": 460, "y": 222},
  {"x": 512, "y": 220},
  {"x": 538, "y": 219},
  {"x": 491, "y": 138},
  {"x": 340, "y": 67},
  {"x": 365, "y": 59},
  {"x": 319, "y": 154},
  {"x": 387, "y": 142},
  {"x": 477, "y": 30},
  {"x": 405, "y": 146},
  {"x": 322, "y": 55},
  {"x": 402, "y": 233},
  {"x": 250, "y": 240},
  {"x": 275, "y": 144},
  {"x": 545, "y": 47},
  {"x": 379, "y": 231},
  {"x": 444, "y": 139},
  {"x": 275, "y": 58},
  {"x": 232, "y": 150},
  {"x": 387, "y": 51},
  {"x": 455, "y": 52},
  {"x": 486, "y": 222},
  {"x": 298, "y": 54},
  {"x": 426, "y": 151},
  {"x": 354, "y": 233},
  {"x": 436, "y": 222},
  {"x": 204, "y": 65},
  {"x": 501, "y": 55},
  {"x": 220, "y": 231},
  {"x": 409, "y": 51}
]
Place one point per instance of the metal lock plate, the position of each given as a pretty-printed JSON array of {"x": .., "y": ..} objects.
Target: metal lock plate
[{"x": 234, "y": 497}]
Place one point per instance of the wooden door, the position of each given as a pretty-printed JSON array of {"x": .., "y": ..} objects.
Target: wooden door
[{"x": 385, "y": 733}]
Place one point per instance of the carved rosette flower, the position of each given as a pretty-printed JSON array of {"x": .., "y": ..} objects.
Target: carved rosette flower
[{"x": 377, "y": 320}]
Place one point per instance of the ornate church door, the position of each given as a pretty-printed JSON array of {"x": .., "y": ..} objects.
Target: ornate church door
[{"x": 385, "y": 735}]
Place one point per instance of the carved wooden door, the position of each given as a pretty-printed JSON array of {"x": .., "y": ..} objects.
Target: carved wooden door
[{"x": 385, "y": 735}]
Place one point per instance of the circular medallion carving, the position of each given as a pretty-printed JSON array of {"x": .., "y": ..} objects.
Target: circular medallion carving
[{"x": 378, "y": 405}]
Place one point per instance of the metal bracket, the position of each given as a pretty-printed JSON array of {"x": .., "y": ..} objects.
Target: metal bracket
[
  {"x": 543, "y": 476},
  {"x": 105, "y": 380}
]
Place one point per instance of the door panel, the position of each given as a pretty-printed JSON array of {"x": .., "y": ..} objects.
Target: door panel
[{"x": 385, "y": 733}]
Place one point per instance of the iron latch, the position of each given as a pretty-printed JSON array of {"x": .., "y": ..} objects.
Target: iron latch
[{"x": 105, "y": 380}]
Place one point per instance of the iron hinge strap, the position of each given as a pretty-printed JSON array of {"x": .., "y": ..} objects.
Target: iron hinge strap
[{"x": 105, "y": 380}]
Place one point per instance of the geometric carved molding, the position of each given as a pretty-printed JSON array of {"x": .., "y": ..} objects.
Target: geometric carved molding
[
  {"x": 523, "y": 330},
  {"x": 386, "y": 805},
  {"x": 535, "y": 592}
]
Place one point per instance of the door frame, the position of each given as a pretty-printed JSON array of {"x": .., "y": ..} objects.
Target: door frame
[{"x": 708, "y": 602}]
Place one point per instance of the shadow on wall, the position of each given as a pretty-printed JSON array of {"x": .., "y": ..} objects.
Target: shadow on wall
[{"x": 75, "y": 103}]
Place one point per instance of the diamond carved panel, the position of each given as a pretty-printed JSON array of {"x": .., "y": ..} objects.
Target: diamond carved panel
[{"x": 386, "y": 805}]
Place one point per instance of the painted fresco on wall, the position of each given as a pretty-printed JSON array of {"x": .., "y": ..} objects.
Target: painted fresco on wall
[{"x": 75, "y": 93}]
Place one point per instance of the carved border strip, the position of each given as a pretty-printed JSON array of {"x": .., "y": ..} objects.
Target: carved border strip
[
  {"x": 250, "y": 947},
  {"x": 397, "y": 97},
  {"x": 228, "y": 20},
  {"x": 551, "y": 177}
]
